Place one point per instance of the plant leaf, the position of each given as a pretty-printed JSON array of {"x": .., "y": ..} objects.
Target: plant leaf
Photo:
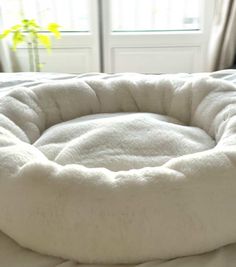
[
  {"x": 5, "y": 33},
  {"x": 41, "y": 65},
  {"x": 54, "y": 28},
  {"x": 44, "y": 40},
  {"x": 16, "y": 27},
  {"x": 25, "y": 22},
  {"x": 32, "y": 23},
  {"x": 17, "y": 38}
]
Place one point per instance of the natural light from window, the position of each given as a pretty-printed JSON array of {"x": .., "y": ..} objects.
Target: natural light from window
[
  {"x": 155, "y": 15},
  {"x": 126, "y": 15},
  {"x": 73, "y": 15}
]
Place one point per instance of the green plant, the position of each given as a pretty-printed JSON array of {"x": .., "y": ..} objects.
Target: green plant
[{"x": 31, "y": 33}]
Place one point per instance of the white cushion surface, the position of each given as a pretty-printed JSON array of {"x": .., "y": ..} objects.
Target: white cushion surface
[
  {"x": 119, "y": 168},
  {"x": 121, "y": 141}
]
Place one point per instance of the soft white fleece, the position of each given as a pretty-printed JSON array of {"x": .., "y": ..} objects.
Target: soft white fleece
[
  {"x": 13, "y": 255},
  {"x": 177, "y": 199},
  {"x": 121, "y": 141}
]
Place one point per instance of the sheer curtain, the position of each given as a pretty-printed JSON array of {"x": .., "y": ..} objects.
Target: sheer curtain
[
  {"x": 5, "y": 59},
  {"x": 222, "y": 46}
]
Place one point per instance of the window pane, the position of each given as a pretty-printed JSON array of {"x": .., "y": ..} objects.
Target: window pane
[
  {"x": 72, "y": 15},
  {"x": 155, "y": 15}
]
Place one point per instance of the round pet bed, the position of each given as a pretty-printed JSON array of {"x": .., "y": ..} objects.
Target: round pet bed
[{"x": 119, "y": 168}]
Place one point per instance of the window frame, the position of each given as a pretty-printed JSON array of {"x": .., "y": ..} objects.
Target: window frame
[{"x": 157, "y": 39}]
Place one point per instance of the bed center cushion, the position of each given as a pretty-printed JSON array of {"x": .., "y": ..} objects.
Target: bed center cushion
[{"x": 121, "y": 141}]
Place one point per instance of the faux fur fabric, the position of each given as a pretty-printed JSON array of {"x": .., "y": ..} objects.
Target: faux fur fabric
[
  {"x": 119, "y": 168},
  {"x": 121, "y": 141},
  {"x": 13, "y": 255}
]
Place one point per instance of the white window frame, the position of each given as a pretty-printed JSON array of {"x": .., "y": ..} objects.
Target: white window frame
[
  {"x": 75, "y": 52},
  {"x": 102, "y": 50},
  {"x": 194, "y": 42}
]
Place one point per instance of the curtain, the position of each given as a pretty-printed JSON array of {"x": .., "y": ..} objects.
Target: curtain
[
  {"x": 5, "y": 58},
  {"x": 1, "y": 52},
  {"x": 222, "y": 46}
]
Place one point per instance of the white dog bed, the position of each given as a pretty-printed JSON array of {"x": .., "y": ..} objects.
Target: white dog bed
[{"x": 119, "y": 168}]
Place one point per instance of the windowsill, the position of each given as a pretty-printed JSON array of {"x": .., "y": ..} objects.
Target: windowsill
[{"x": 141, "y": 33}]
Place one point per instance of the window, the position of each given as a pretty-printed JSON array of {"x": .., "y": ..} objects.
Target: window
[
  {"x": 148, "y": 36},
  {"x": 73, "y": 15},
  {"x": 155, "y": 15}
]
